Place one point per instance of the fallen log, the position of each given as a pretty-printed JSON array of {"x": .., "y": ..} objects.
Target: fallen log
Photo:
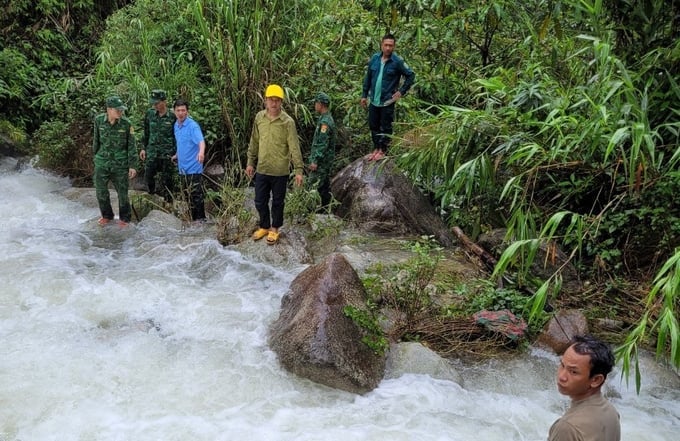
[{"x": 475, "y": 249}]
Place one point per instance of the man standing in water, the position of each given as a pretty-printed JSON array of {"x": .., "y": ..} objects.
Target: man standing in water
[
  {"x": 158, "y": 146},
  {"x": 190, "y": 157},
  {"x": 273, "y": 145},
  {"x": 323, "y": 149},
  {"x": 381, "y": 91},
  {"x": 581, "y": 373},
  {"x": 115, "y": 160}
]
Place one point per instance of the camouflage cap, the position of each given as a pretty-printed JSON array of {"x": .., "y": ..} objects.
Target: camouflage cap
[
  {"x": 322, "y": 98},
  {"x": 115, "y": 102},
  {"x": 157, "y": 95}
]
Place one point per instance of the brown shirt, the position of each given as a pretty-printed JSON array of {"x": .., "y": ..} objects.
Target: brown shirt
[{"x": 592, "y": 419}]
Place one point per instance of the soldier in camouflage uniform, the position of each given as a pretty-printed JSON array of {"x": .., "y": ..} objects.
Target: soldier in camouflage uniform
[
  {"x": 323, "y": 149},
  {"x": 115, "y": 159},
  {"x": 158, "y": 146}
]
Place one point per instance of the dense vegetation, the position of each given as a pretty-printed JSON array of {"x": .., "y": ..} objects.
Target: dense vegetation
[{"x": 558, "y": 120}]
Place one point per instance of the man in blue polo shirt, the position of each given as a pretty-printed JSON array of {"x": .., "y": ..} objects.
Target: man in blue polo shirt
[{"x": 190, "y": 157}]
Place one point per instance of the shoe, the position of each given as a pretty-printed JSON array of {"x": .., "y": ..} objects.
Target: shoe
[
  {"x": 260, "y": 233},
  {"x": 272, "y": 237},
  {"x": 123, "y": 224},
  {"x": 103, "y": 221}
]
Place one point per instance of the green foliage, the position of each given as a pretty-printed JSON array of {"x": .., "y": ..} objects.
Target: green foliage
[
  {"x": 374, "y": 337},
  {"x": 406, "y": 287},
  {"x": 11, "y": 132},
  {"x": 54, "y": 146},
  {"x": 43, "y": 43},
  {"x": 301, "y": 204},
  {"x": 234, "y": 219},
  {"x": 660, "y": 317},
  {"x": 496, "y": 299},
  {"x": 149, "y": 45}
]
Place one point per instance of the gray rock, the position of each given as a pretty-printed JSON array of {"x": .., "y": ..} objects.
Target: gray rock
[
  {"x": 378, "y": 198},
  {"x": 312, "y": 336},
  {"x": 561, "y": 328},
  {"x": 414, "y": 358}
]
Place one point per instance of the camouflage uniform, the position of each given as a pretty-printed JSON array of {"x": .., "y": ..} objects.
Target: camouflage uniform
[
  {"x": 159, "y": 143},
  {"x": 115, "y": 153},
  {"x": 323, "y": 152}
]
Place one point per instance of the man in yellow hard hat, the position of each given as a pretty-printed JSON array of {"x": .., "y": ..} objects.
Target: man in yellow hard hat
[{"x": 274, "y": 144}]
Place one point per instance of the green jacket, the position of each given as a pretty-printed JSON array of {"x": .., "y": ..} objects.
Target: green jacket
[
  {"x": 159, "y": 135},
  {"x": 323, "y": 144},
  {"x": 274, "y": 144},
  {"x": 114, "y": 144}
]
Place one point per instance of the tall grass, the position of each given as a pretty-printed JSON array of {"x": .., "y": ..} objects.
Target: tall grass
[{"x": 247, "y": 45}]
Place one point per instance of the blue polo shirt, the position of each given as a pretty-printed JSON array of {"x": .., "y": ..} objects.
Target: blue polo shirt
[{"x": 188, "y": 136}]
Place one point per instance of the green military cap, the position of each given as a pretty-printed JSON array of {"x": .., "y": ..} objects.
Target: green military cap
[
  {"x": 115, "y": 102},
  {"x": 156, "y": 96},
  {"x": 322, "y": 98}
]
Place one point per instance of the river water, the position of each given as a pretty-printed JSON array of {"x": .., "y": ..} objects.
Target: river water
[{"x": 159, "y": 334}]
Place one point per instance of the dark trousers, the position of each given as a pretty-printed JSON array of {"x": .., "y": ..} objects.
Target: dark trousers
[
  {"x": 192, "y": 188},
  {"x": 265, "y": 186},
  {"x": 163, "y": 167},
  {"x": 380, "y": 121},
  {"x": 321, "y": 180}
]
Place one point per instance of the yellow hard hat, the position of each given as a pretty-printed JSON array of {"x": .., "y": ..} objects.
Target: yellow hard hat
[{"x": 273, "y": 90}]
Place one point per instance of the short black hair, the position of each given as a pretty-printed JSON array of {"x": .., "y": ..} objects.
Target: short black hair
[
  {"x": 388, "y": 36},
  {"x": 180, "y": 102},
  {"x": 601, "y": 356}
]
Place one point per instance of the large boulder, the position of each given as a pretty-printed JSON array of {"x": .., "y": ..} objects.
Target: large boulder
[
  {"x": 378, "y": 198},
  {"x": 312, "y": 336}
]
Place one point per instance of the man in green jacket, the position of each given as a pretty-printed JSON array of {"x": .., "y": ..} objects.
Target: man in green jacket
[
  {"x": 381, "y": 90},
  {"x": 115, "y": 160},
  {"x": 158, "y": 146},
  {"x": 323, "y": 149},
  {"x": 273, "y": 145}
]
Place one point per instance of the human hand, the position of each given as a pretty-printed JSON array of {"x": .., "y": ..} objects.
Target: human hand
[
  {"x": 142, "y": 155},
  {"x": 132, "y": 173},
  {"x": 364, "y": 102},
  {"x": 313, "y": 166},
  {"x": 250, "y": 171},
  {"x": 298, "y": 180},
  {"x": 396, "y": 96},
  {"x": 200, "y": 158}
]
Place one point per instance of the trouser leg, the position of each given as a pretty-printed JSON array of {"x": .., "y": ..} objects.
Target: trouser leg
[
  {"x": 101, "y": 183},
  {"x": 386, "y": 130},
  {"x": 150, "y": 171},
  {"x": 262, "y": 192},
  {"x": 167, "y": 172},
  {"x": 121, "y": 184},
  {"x": 374, "y": 124},
  {"x": 325, "y": 190},
  {"x": 192, "y": 186},
  {"x": 279, "y": 184}
]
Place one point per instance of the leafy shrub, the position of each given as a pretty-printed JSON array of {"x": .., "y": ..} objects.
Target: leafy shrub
[
  {"x": 367, "y": 320},
  {"x": 54, "y": 146}
]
